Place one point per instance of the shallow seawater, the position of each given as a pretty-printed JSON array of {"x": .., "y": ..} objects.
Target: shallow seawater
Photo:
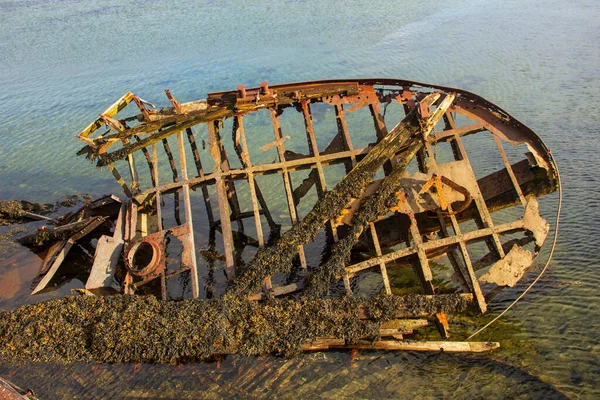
[{"x": 63, "y": 62}]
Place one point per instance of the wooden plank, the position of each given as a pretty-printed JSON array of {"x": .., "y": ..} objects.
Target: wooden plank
[
  {"x": 54, "y": 267},
  {"x": 437, "y": 346}
]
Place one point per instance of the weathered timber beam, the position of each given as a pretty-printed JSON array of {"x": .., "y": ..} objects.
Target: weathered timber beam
[{"x": 448, "y": 347}]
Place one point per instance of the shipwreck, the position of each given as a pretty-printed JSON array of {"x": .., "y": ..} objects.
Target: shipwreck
[{"x": 279, "y": 215}]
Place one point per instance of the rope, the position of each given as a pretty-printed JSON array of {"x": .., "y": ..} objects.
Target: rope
[{"x": 547, "y": 262}]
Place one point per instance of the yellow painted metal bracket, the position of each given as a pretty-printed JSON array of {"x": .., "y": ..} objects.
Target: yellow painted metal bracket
[{"x": 110, "y": 112}]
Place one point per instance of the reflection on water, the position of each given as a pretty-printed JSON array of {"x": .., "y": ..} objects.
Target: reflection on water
[
  {"x": 322, "y": 375},
  {"x": 60, "y": 63}
]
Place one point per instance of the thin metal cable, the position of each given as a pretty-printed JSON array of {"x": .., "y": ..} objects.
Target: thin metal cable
[{"x": 547, "y": 262}]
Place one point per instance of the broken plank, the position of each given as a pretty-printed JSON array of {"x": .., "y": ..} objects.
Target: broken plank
[{"x": 439, "y": 346}]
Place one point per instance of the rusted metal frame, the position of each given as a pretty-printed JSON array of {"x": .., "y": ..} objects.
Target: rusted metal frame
[
  {"x": 240, "y": 136},
  {"x": 422, "y": 267},
  {"x": 382, "y": 131},
  {"x": 188, "y": 219},
  {"x": 306, "y": 185},
  {"x": 232, "y": 198},
  {"x": 286, "y": 177},
  {"x": 390, "y": 145},
  {"x": 510, "y": 171},
  {"x": 156, "y": 133},
  {"x": 345, "y": 135},
  {"x": 171, "y": 160},
  {"x": 477, "y": 196},
  {"x": 436, "y": 244},
  {"x": 200, "y": 170},
  {"x": 292, "y": 165},
  {"x": 342, "y": 125},
  {"x": 481, "y": 109},
  {"x": 149, "y": 161},
  {"x": 321, "y": 182},
  {"x": 467, "y": 273},
  {"x": 131, "y": 226},
  {"x": 382, "y": 267},
  {"x": 213, "y": 144},
  {"x": 175, "y": 179},
  {"x": 221, "y": 106},
  {"x": 241, "y": 148},
  {"x": 451, "y": 127},
  {"x": 449, "y": 134},
  {"x": 424, "y": 273},
  {"x": 244, "y": 155},
  {"x": 452, "y": 253},
  {"x": 195, "y": 153}
]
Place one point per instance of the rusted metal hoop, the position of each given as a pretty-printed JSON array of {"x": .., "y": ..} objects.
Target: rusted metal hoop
[{"x": 157, "y": 256}]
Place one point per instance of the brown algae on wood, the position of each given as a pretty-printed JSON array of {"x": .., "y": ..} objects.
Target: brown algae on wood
[{"x": 126, "y": 328}]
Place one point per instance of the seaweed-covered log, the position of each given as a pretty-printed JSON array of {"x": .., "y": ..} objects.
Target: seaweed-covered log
[
  {"x": 19, "y": 211},
  {"x": 143, "y": 329}
]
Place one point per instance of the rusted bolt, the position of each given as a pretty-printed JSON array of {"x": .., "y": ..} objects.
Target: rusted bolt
[
  {"x": 241, "y": 91},
  {"x": 265, "y": 87}
]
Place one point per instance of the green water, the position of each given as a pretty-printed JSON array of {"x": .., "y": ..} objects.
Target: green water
[{"x": 63, "y": 62}]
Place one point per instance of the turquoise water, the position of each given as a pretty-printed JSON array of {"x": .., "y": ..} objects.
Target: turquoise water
[{"x": 63, "y": 62}]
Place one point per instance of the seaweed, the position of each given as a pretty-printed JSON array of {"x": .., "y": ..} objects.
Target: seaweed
[{"x": 130, "y": 328}]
